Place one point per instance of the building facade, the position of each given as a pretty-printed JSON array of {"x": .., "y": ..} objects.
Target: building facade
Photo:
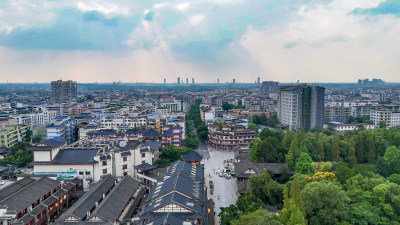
[
  {"x": 301, "y": 106},
  {"x": 10, "y": 135},
  {"x": 64, "y": 91}
]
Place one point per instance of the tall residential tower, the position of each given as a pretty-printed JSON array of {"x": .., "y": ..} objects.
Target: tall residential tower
[
  {"x": 63, "y": 91},
  {"x": 301, "y": 106}
]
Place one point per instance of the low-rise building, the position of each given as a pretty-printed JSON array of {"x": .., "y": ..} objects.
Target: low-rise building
[
  {"x": 109, "y": 201},
  {"x": 34, "y": 201},
  {"x": 230, "y": 135},
  {"x": 62, "y": 127},
  {"x": 12, "y": 134},
  {"x": 182, "y": 194}
]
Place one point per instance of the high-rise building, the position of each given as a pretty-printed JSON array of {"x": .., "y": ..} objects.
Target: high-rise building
[
  {"x": 192, "y": 80},
  {"x": 187, "y": 80},
  {"x": 178, "y": 80},
  {"x": 269, "y": 87},
  {"x": 258, "y": 80},
  {"x": 63, "y": 91},
  {"x": 218, "y": 81},
  {"x": 165, "y": 81},
  {"x": 301, "y": 106},
  {"x": 234, "y": 81}
]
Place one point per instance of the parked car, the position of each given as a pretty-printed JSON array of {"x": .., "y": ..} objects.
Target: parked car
[
  {"x": 221, "y": 174},
  {"x": 2, "y": 182},
  {"x": 228, "y": 176}
]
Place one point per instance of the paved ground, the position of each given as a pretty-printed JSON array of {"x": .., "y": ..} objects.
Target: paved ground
[
  {"x": 226, "y": 189},
  {"x": 7, "y": 182}
]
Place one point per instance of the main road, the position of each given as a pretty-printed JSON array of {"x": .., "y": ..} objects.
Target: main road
[{"x": 225, "y": 190}]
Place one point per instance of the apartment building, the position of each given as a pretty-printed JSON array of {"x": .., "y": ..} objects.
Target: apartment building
[
  {"x": 12, "y": 134},
  {"x": 301, "y": 106},
  {"x": 64, "y": 91},
  {"x": 392, "y": 119},
  {"x": 61, "y": 127}
]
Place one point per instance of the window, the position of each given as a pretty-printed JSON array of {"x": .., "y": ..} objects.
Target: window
[
  {"x": 104, "y": 171},
  {"x": 143, "y": 155},
  {"x": 125, "y": 159},
  {"x": 104, "y": 163},
  {"x": 87, "y": 172},
  {"x": 125, "y": 166},
  {"x": 125, "y": 173},
  {"x": 80, "y": 172},
  {"x": 144, "y": 161}
]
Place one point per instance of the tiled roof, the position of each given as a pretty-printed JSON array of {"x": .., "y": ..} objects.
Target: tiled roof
[
  {"x": 152, "y": 133},
  {"x": 89, "y": 199},
  {"x": 192, "y": 156},
  {"x": 14, "y": 187},
  {"x": 111, "y": 207},
  {"x": 24, "y": 197},
  {"x": 153, "y": 145},
  {"x": 75, "y": 156},
  {"x": 145, "y": 167}
]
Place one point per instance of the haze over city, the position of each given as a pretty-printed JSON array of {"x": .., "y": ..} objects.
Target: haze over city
[{"x": 146, "y": 41}]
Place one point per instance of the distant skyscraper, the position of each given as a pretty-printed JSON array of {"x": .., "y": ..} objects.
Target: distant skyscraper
[
  {"x": 234, "y": 81},
  {"x": 187, "y": 80},
  {"x": 269, "y": 87},
  {"x": 258, "y": 80},
  {"x": 63, "y": 91},
  {"x": 218, "y": 81},
  {"x": 165, "y": 81},
  {"x": 178, "y": 80},
  {"x": 301, "y": 106},
  {"x": 192, "y": 80}
]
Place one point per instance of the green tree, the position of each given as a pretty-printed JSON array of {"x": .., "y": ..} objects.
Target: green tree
[
  {"x": 268, "y": 150},
  {"x": 343, "y": 173},
  {"x": 321, "y": 151},
  {"x": 336, "y": 148},
  {"x": 311, "y": 144},
  {"x": 287, "y": 139},
  {"x": 28, "y": 136},
  {"x": 293, "y": 211},
  {"x": 245, "y": 204},
  {"x": 304, "y": 164},
  {"x": 253, "y": 126},
  {"x": 293, "y": 154},
  {"x": 273, "y": 121},
  {"x": 390, "y": 163},
  {"x": 253, "y": 153},
  {"x": 263, "y": 187},
  {"x": 325, "y": 203},
  {"x": 359, "y": 147},
  {"x": 259, "y": 217},
  {"x": 371, "y": 151}
]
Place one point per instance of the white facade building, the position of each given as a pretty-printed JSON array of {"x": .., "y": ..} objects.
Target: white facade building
[{"x": 392, "y": 119}]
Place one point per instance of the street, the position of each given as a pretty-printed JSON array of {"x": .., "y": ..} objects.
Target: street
[{"x": 226, "y": 189}]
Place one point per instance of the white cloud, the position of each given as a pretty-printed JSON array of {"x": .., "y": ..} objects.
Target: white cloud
[
  {"x": 194, "y": 20},
  {"x": 182, "y": 6},
  {"x": 102, "y": 7}
]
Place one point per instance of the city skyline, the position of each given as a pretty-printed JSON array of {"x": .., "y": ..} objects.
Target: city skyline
[{"x": 146, "y": 41}]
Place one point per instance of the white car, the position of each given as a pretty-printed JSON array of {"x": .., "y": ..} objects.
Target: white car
[
  {"x": 221, "y": 174},
  {"x": 2, "y": 182},
  {"x": 228, "y": 176}
]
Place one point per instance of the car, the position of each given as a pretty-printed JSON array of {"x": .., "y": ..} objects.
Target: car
[
  {"x": 221, "y": 174},
  {"x": 228, "y": 176},
  {"x": 2, "y": 182}
]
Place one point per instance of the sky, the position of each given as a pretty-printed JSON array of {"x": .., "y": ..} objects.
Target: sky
[{"x": 149, "y": 40}]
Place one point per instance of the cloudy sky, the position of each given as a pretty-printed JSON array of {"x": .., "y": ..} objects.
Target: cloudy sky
[{"x": 147, "y": 40}]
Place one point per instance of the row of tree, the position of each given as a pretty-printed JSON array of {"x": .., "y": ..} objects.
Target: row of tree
[
  {"x": 263, "y": 120},
  {"x": 350, "y": 178},
  {"x": 191, "y": 141},
  {"x": 200, "y": 125}
]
